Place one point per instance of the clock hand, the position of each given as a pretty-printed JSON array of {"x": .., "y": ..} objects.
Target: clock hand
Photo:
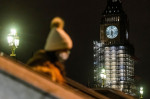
[{"x": 111, "y": 33}]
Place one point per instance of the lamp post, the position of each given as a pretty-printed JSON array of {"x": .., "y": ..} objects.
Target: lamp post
[
  {"x": 103, "y": 76},
  {"x": 141, "y": 92},
  {"x": 13, "y": 41}
]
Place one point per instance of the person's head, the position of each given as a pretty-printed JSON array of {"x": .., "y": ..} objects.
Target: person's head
[{"x": 58, "y": 40}]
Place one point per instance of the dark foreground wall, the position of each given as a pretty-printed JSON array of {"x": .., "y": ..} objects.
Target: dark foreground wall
[
  {"x": 19, "y": 81},
  {"x": 13, "y": 88}
]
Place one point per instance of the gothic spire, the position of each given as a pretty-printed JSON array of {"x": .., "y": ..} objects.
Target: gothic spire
[
  {"x": 113, "y": 1},
  {"x": 113, "y": 7}
]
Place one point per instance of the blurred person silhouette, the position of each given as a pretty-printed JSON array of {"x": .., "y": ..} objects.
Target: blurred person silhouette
[{"x": 51, "y": 59}]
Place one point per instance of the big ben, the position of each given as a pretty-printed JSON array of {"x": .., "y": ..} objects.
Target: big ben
[{"x": 114, "y": 53}]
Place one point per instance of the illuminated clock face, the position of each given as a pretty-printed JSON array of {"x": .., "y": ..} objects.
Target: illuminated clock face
[{"x": 111, "y": 32}]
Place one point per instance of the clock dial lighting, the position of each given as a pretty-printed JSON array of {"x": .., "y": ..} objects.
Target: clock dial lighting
[{"x": 111, "y": 32}]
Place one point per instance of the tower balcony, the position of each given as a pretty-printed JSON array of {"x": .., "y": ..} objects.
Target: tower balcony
[
  {"x": 108, "y": 76},
  {"x": 122, "y": 47},
  {"x": 113, "y": 52},
  {"x": 122, "y": 74},
  {"x": 122, "y": 63},
  {"x": 107, "y": 60},
  {"x": 113, "y": 71},
  {"x": 122, "y": 71},
  {"x": 121, "y": 51},
  {"x": 108, "y": 72},
  {"x": 121, "y": 67},
  {"x": 114, "y": 82},
  {"x": 107, "y": 56},
  {"x": 107, "y": 52},
  {"x": 114, "y": 75},
  {"x": 113, "y": 63},
  {"x": 114, "y": 67},
  {"x": 113, "y": 56},
  {"x": 107, "y": 67},
  {"x": 114, "y": 86},
  {"x": 107, "y": 48},
  {"x": 114, "y": 79},
  {"x": 113, "y": 59},
  {"x": 107, "y": 64},
  {"x": 113, "y": 48}
]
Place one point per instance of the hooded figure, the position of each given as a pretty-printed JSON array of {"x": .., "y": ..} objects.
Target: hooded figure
[{"x": 56, "y": 51}]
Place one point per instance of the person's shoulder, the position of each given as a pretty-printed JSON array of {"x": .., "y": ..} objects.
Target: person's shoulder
[
  {"x": 40, "y": 52},
  {"x": 38, "y": 58}
]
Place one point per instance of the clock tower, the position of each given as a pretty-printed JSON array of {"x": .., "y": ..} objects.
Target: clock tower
[
  {"x": 114, "y": 24},
  {"x": 113, "y": 55}
]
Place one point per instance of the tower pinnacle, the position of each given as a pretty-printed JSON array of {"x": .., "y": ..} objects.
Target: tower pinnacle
[
  {"x": 113, "y": 7},
  {"x": 114, "y": 1}
]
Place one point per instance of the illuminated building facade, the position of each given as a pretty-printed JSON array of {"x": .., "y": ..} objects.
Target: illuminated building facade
[{"x": 114, "y": 52}]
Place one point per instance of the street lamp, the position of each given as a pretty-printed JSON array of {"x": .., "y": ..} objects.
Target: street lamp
[
  {"x": 103, "y": 76},
  {"x": 141, "y": 92},
  {"x": 13, "y": 41}
]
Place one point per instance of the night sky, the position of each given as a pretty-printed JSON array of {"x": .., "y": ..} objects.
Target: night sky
[{"x": 31, "y": 18}]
